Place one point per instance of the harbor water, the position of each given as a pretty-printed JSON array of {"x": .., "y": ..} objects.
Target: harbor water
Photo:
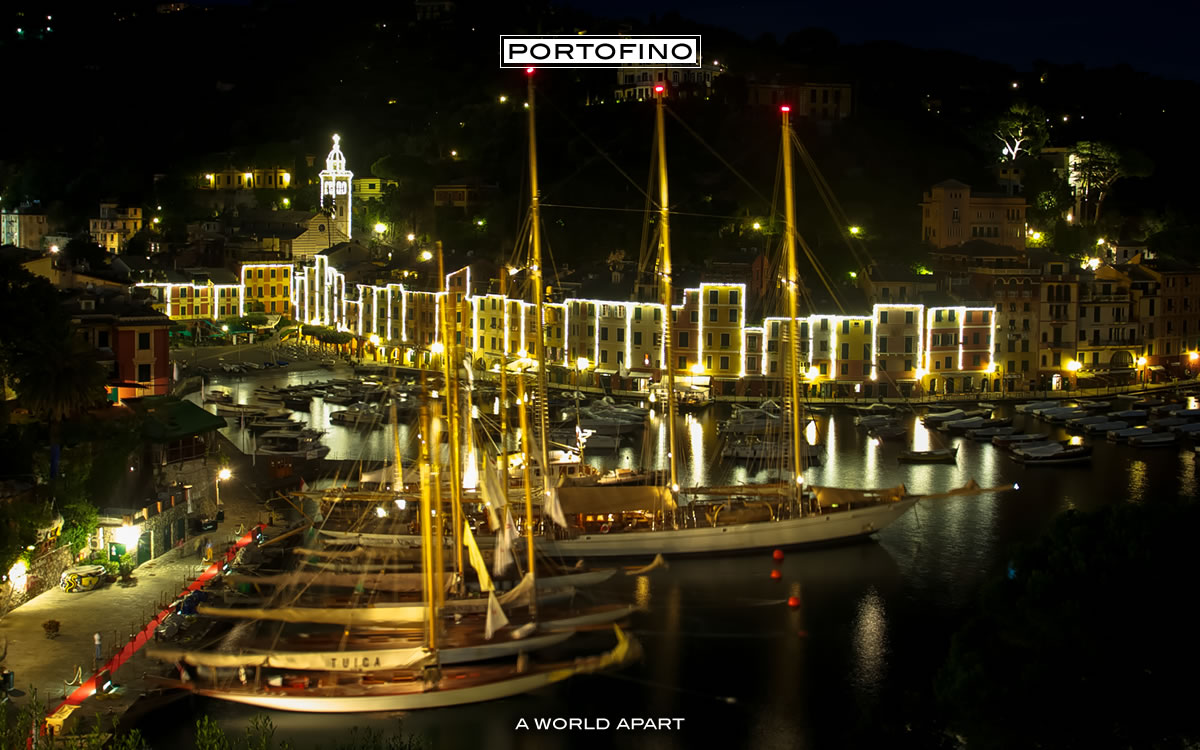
[{"x": 723, "y": 652}]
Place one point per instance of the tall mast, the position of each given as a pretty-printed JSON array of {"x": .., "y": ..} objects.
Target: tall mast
[
  {"x": 504, "y": 386},
  {"x": 535, "y": 277},
  {"x": 427, "y": 553},
  {"x": 528, "y": 482},
  {"x": 450, "y": 373},
  {"x": 792, "y": 285},
  {"x": 665, "y": 274}
]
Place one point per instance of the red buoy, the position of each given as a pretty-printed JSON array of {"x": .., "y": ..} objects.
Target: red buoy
[
  {"x": 775, "y": 574},
  {"x": 778, "y": 555},
  {"x": 793, "y": 601}
]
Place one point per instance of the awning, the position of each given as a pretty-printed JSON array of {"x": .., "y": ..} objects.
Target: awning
[
  {"x": 615, "y": 499},
  {"x": 1157, "y": 368}
]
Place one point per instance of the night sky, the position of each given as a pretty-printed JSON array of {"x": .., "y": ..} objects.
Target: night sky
[{"x": 1155, "y": 37}]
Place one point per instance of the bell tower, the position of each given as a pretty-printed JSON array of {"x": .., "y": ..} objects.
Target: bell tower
[{"x": 335, "y": 190}]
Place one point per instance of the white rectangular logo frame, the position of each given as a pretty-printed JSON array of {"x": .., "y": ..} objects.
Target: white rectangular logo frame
[{"x": 600, "y": 51}]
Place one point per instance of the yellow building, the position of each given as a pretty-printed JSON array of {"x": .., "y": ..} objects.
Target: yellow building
[
  {"x": 371, "y": 188},
  {"x": 268, "y": 288},
  {"x": 23, "y": 226},
  {"x": 952, "y": 214},
  {"x": 115, "y": 225},
  {"x": 270, "y": 178}
]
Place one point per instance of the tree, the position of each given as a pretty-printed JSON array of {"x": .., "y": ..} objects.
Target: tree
[
  {"x": 1096, "y": 166},
  {"x": 60, "y": 381},
  {"x": 81, "y": 251},
  {"x": 1078, "y": 643},
  {"x": 1022, "y": 129},
  {"x": 21, "y": 334}
]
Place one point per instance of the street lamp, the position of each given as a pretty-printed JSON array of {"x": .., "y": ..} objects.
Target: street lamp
[
  {"x": 380, "y": 227},
  {"x": 855, "y": 231},
  {"x": 224, "y": 474},
  {"x": 1141, "y": 363}
]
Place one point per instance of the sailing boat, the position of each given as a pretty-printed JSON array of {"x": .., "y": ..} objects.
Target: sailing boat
[
  {"x": 645, "y": 521},
  {"x": 349, "y": 672}
]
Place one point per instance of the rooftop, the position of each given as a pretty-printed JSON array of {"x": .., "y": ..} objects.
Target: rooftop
[{"x": 168, "y": 419}]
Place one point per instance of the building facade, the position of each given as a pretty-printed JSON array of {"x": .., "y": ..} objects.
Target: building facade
[{"x": 952, "y": 214}]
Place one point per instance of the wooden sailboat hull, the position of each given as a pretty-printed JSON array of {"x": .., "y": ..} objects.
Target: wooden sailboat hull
[
  {"x": 411, "y": 701},
  {"x": 732, "y": 539}
]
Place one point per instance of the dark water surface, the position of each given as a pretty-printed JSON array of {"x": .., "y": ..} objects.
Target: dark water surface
[{"x": 722, "y": 650}]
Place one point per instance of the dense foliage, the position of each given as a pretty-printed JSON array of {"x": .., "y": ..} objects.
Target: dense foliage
[{"x": 1086, "y": 642}]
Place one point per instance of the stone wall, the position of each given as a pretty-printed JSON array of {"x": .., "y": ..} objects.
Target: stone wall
[{"x": 44, "y": 573}]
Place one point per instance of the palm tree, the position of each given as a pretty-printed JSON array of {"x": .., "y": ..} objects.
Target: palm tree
[{"x": 59, "y": 384}]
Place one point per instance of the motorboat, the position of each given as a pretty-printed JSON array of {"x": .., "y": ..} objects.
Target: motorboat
[
  {"x": 1059, "y": 413},
  {"x": 984, "y": 434},
  {"x": 1004, "y": 441},
  {"x": 765, "y": 418},
  {"x": 1075, "y": 454},
  {"x": 1120, "y": 436},
  {"x": 1100, "y": 428},
  {"x": 876, "y": 420},
  {"x": 876, "y": 408},
  {"x": 944, "y": 416},
  {"x": 888, "y": 431},
  {"x": 934, "y": 456},
  {"x": 1154, "y": 440},
  {"x": 1078, "y": 424},
  {"x": 1025, "y": 408},
  {"x": 1129, "y": 415},
  {"x": 275, "y": 422},
  {"x": 1059, "y": 417},
  {"x": 755, "y": 448},
  {"x": 218, "y": 397},
  {"x": 1165, "y": 423},
  {"x": 290, "y": 443},
  {"x": 1191, "y": 428}
]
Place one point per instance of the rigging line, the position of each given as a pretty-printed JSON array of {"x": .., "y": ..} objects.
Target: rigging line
[
  {"x": 644, "y": 248},
  {"x": 720, "y": 158},
  {"x": 823, "y": 185},
  {"x": 830, "y": 201},
  {"x": 594, "y": 145},
  {"x": 637, "y": 210}
]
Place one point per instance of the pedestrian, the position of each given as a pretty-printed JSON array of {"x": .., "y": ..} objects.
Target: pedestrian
[
  {"x": 96, "y": 639},
  {"x": 208, "y": 551}
]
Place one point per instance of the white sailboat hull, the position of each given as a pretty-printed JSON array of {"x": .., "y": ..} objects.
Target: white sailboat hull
[
  {"x": 335, "y": 704},
  {"x": 818, "y": 529}
]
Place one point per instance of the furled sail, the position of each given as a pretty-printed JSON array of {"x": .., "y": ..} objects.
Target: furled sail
[{"x": 332, "y": 661}]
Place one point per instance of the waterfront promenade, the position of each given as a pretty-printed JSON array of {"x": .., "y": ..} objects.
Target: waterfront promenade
[{"x": 62, "y": 671}]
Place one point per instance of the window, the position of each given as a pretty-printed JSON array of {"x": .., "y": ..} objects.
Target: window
[
  {"x": 883, "y": 316},
  {"x": 591, "y": 331},
  {"x": 824, "y": 369},
  {"x": 724, "y": 340},
  {"x": 620, "y": 335},
  {"x": 845, "y": 369},
  {"x": 724, "y": 363},
  {"x": 683, "y": 339},
  {"x": 695, "y": 316},
  {"x": 1012, "y": 346},
  {"x": 845, "y": 326},
  {"x": 637, "y": 338},
  {"x": 712, "y": 315},
  {"x": 708, "y": 339},
  {"x": 604, "y": 333},
  {"x": 908, "y": 344},
  {"x": 774, "y": 366},
  {"x": 975, "y": 360},
  {"x": 708, "y": 362},
  {"x": 845, "y": 351},
  {"x": 937, "y": 316},
  {"x": 947, "y": 363},
  {"x": 733, "y": 315},
  {"x": 882, "y": 347},
  {"x": 733, "y": 297},
  {"x": 143, "y": 342},
  {"x": 713, "y": 296},
  {"x": 907, "y": 365},
  {"x": 144, "y": 373}
]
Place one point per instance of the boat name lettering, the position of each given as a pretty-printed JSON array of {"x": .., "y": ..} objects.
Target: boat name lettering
[
  {"x": 346, "y": 662},
  {"x": 563, "y": 723}
]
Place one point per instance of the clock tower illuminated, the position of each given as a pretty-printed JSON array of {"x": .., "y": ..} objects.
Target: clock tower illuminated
[{"x": 335, "y": 188}]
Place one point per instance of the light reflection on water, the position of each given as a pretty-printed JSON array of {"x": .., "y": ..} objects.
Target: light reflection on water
[
  {"x": 870, "y": 643},
  {"x": 859, "y": 603}
]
